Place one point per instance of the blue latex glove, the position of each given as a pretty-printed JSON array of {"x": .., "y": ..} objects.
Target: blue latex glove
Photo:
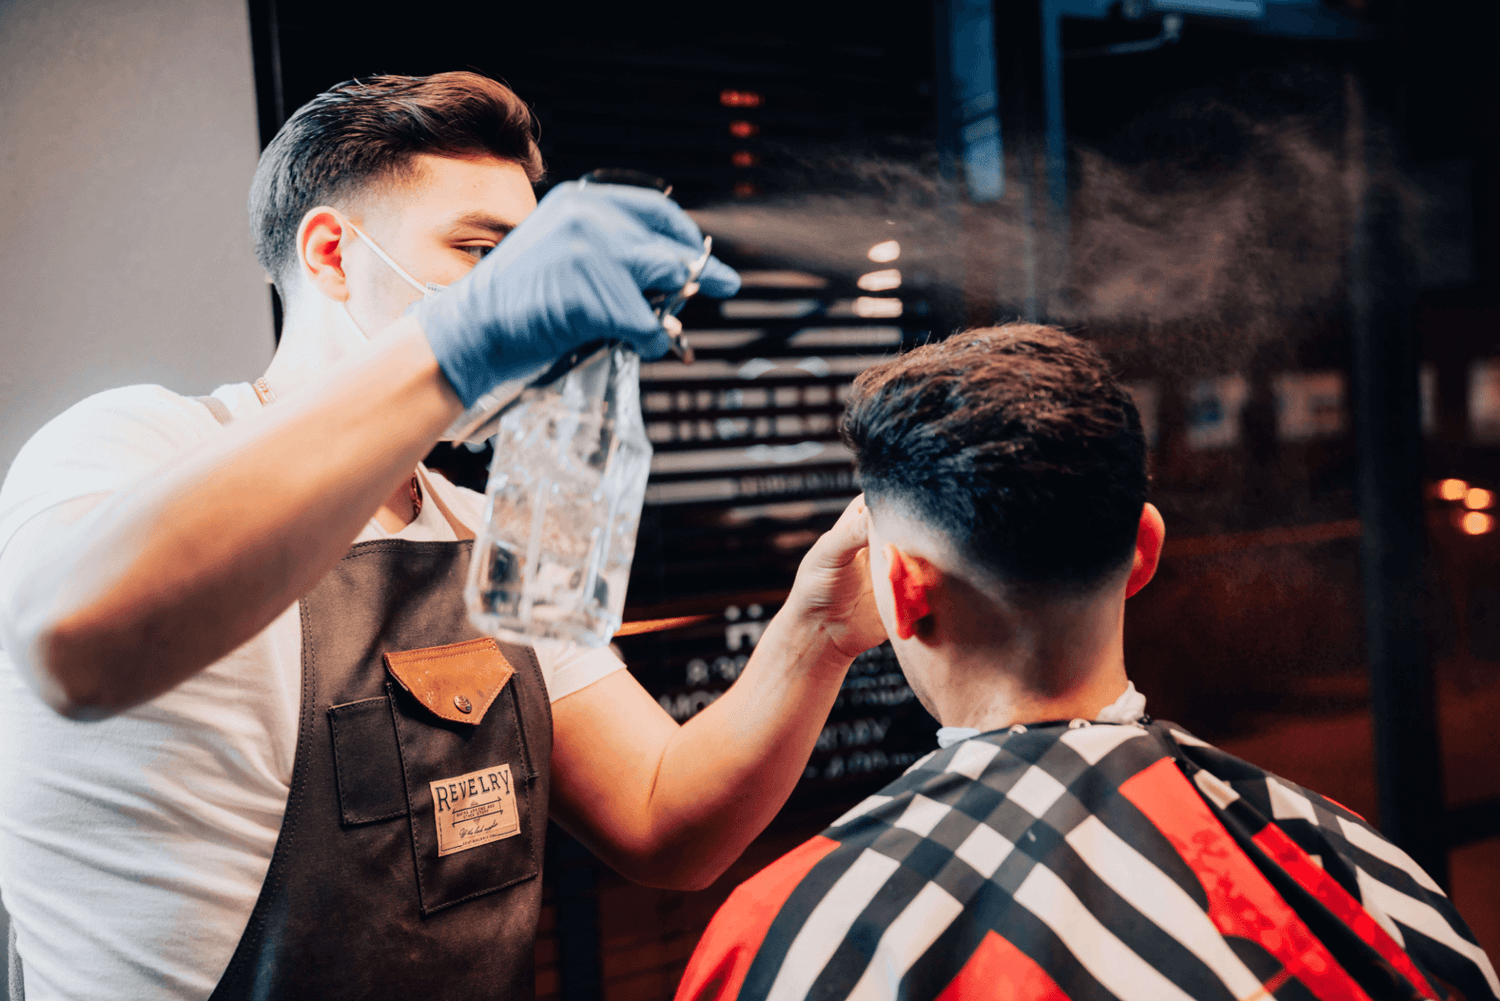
[{"x": 573, "y": 272}]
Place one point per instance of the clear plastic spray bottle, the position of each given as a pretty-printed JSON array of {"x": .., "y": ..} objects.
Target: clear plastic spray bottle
[
  {"x": 563, "y": 503},
  {"x": 566, "y": 487}
]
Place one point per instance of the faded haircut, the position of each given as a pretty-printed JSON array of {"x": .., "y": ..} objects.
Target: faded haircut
[
  {"x": 362, "y": 134},
  {"x": 1017, "y": 443}
]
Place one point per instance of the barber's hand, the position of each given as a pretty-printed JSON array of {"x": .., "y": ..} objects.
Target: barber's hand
[
  {"x": 573, "y": 272},
  {"x": 832, "y": 588}
]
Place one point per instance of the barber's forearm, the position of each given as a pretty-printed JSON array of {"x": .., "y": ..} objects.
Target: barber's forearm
[
  {"x": 731, "y": 768},
  {"x": 673, "y": 806},
  {"x": 170, "y": 575}
]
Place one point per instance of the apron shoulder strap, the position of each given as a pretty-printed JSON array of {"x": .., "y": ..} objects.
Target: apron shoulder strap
[
  {"x": 217, "y": 408},
  {"x": 460, "y": 530}
]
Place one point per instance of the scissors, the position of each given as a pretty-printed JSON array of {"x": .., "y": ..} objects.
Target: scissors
[{"x": 667, "y": 310}]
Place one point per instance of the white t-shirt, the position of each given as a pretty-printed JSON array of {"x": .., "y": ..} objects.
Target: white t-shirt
[{"x": 132, "y": 849}]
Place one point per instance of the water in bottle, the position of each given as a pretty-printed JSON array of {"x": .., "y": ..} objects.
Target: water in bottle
[{"x": 563, "y": 504}]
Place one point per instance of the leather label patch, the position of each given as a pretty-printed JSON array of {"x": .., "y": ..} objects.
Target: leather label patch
[
  {"x": 456, "y": 682},
  {"x": 475, "y": 809}
]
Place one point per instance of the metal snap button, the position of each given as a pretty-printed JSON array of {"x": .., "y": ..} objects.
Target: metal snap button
[
  {"x": 1079, "y": 724},
  {"x": 463, "y": 703}
]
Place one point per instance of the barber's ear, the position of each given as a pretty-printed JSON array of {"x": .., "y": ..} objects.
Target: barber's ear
[
  {"x": 320, "y": 243},
  {"x": 1150, "y": 535},
  {"x": 912, "y": 582}
]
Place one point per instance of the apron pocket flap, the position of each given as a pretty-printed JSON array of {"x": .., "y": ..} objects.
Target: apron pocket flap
[
  {"x": 366, "y": 761},
  {"x": 457, "y": 682}
]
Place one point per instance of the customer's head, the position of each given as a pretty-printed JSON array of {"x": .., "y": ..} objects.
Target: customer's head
[
  {"x": 1014, "y": 442},
  {"x": 1005, "y": 474},
  {"x": 364, "y": 147}
]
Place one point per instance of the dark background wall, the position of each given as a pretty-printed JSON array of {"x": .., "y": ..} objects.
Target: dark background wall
[{"x": 1204, "y": 236}]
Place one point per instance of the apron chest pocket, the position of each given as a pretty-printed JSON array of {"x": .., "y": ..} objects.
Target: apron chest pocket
[
  {"x": 472, "y": 794},
  {"x": 470, "y": 791}
]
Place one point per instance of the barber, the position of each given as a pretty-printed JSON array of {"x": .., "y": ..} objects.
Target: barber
[{"x": 253, "y": 747}]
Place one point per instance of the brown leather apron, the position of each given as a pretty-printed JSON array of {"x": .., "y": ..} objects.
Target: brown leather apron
[{"x": 409, "y": 859}]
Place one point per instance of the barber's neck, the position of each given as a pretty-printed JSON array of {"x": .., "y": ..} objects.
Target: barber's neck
[
  {"x": 316, "y": 338},
  {"x": 996, "y": 665}
]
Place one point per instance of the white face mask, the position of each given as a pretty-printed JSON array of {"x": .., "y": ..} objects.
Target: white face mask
[{"x": 428, "y": 289}]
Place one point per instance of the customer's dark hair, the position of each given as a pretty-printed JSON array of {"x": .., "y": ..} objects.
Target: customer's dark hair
[
  {"x": 1015, "y": 442},
  {"x": 365, "y": 132}
]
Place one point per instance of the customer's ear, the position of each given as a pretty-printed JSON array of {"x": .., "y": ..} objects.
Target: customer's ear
[
  {"x": 1150, "y": 535},
  {"x": 912, "y": 582}
]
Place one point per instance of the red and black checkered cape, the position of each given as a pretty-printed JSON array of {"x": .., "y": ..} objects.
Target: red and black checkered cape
[{"x": 1078, "y": 861}]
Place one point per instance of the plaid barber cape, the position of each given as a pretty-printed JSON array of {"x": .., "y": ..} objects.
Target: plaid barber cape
[{"x": 1091, "y": 861}]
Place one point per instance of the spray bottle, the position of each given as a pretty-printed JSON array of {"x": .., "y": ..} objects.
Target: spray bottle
[{"x": 567, "y": 483}]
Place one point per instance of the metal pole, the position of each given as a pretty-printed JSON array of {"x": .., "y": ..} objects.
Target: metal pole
[
  {"x": 1386, "y": 355},
  {"x": 1018, "y": 42},
  {"x": 1056, "y": 133},
  {"x": 1053, "y": 277}
]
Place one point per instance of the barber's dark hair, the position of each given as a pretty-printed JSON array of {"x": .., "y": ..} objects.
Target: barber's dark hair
[
  {"x": 1017, "y": 443},
  {"x": 365, "y": 132}
]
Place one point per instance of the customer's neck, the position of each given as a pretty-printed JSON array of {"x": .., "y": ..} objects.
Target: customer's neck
[{"x": 1062, "y": 662}]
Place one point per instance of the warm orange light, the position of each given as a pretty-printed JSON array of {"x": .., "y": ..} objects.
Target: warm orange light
[
  {"x": 745, "y": 189},
  {"x": 739, "y": 99},
  {"x": 743, "y": 130},
  {"x": 1452, "y": 490},
  {"x": 1477, "y": 499},
  {"x": 744, "y": 158},
  {"x": 880, "y": 281},
  {"x": 1476, "y": 523},
  {"x": 871, "y": 307}
]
